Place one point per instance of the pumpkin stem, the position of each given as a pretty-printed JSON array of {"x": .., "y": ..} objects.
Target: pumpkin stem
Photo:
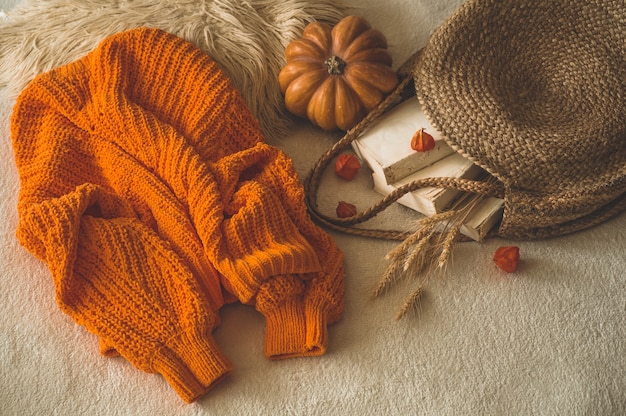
[{"x": 335, "y": 65}]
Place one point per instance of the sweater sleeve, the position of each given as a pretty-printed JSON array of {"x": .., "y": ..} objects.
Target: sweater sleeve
[
  {"x": 273, "y": 256},
  {"x": 118, "y": 279},
  {"x": 323, "y": 297}
]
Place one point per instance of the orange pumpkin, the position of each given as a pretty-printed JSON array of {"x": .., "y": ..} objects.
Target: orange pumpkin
[{"x": 335, "y": 75}]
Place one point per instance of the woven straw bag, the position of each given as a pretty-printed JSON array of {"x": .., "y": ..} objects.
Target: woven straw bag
[{"x": 534, "y": 92}]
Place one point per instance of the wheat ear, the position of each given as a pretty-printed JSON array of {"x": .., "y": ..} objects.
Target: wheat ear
[{"x": 411, "y": 304}]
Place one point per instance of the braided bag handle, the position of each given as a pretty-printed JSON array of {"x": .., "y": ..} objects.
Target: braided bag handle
[{"x": 312, "y": 181}]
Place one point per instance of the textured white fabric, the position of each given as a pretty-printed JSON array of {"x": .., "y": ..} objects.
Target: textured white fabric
[{"x": 549, "y": 339}]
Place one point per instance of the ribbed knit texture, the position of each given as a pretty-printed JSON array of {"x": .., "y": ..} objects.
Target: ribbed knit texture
[{"x": 147, "y": 188}]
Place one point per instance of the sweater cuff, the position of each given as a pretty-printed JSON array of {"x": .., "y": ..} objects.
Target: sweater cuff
[
  {"x": 191, "y": 364},
  {"x": 295, "y": 329}
]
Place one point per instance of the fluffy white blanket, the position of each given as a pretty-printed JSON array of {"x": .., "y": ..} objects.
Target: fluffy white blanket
[{"x": 549, "y": 339}]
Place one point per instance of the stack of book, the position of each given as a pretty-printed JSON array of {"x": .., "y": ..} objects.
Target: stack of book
[{"x": 386, "y": 149}]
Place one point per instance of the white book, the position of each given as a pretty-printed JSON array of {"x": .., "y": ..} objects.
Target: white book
[
  {"x": 483, "y": 218},
  {"x": 430, "y": 200},
  {"x": 386, "y": 149},
  {"x": 386, "y": 146}
]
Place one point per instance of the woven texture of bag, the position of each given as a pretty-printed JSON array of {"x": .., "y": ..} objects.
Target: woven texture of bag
[{"x": 535, "y": 93}]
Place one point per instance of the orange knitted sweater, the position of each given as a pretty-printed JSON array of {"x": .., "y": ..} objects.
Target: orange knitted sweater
[{"x": 148, "y": 190}]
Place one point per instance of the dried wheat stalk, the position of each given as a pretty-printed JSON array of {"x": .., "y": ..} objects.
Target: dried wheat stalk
[{"x": 427, "y": 251}]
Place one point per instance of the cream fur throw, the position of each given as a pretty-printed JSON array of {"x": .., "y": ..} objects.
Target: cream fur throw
[{"x": 248, "y": 38}]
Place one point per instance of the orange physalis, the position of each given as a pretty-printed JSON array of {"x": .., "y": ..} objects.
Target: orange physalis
[
  {"x": 347, "y": 166},
  {"x": 345, "y": 210},
  {"x": 422, "y": 141},
  {"x": 507, "y": 258}
]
